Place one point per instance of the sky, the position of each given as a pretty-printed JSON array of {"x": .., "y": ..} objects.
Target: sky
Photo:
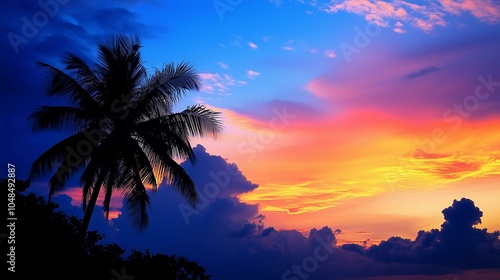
[{"x": 346, "y": 123}]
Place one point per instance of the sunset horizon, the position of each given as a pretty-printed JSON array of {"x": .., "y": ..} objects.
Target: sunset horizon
[{"x": 358, "y": 139}]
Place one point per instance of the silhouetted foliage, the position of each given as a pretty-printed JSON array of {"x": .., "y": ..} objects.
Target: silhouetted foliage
[
  {"x": 161, "y": 266},
  {"x": 48, "y": 245},
  {"x": 125, "y": 133}
]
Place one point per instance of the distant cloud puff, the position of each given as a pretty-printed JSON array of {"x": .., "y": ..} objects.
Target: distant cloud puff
[
  {"x": 252, "y": 74},
  {"x": 216, "y": 83},
  {"x": 330, "y": 53},
  {"x": 422, "y": 72},
  {"x": 398, "y": 28},
  {"x": 485, "y": 10},
  {"x": 425, "y": 17},
  {"x": 253, "y": 45},
  {"x": 223, "y": 65}
]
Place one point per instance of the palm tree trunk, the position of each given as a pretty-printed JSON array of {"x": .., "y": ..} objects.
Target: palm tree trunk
[{"x": 90, "y": 210}]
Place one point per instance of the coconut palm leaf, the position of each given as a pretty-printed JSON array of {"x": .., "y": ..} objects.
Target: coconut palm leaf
[{"x": 127, "y": 137}]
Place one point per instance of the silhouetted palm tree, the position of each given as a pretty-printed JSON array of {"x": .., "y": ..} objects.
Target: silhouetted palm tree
[{"x": 126, "y": 135}]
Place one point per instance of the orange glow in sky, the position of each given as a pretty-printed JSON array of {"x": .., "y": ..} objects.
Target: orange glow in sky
[{"x": 369, "y": 172}]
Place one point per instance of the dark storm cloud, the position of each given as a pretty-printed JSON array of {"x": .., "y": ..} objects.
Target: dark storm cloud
[
  {"x": 225, "y": 234},
  {"x": 267, "y": 231},
  {"x": 45, "y": 31},
  {"x": 81, "y": 21},
  {"x": 458, "y": 244},
  {"x": 231, "y": 239},
  {"x": 220, "y": 175}
]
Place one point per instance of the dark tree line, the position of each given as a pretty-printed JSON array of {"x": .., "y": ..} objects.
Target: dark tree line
[{"x": 48, "y": 245}]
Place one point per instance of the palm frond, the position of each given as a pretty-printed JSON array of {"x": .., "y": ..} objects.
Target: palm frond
[
  {"x": 86, "y": 75},
  {"x": 145, "y": 138},
  {"x": 174, "y": 173},
  {"x": 63, "y": 84},
  {"x": 61, "y": 177},
  {"x": 142, "y": 161},
  {"x": 105, "y": 156},
  {"x": 180, "y": 180},
  {"x": 65, "y": 158},
  {"x": 162, "y": 148},
  {"x": 120, "y": 66},
  {"x": 94, "y": 187},
  {"x": 165, "y": 88},
  {"x": 108, "y": 188},
  {"x": 54, "y": 156},
  {"x": 196, "y": 121},
  {"x": 137, "y": 199},
  {"x": 90, "y": 176},
  {"x": 159, "y": 133},
  {"x": 177, "y": 79},
  {"x": 62, "y": 117}
]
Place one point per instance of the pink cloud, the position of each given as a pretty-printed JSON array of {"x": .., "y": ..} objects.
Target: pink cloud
[
  {"x": 423, "y": 85},
  {"x": 253, "y": 45},
  {"x": 216, "y": 83},
  {"x": 429, "y": 21},
  {"x": 375, "y": 12},
  {"x": 484, "y": 10},
  {"x": 398, "y": 28},
  {"x": 330, "y": 53},
  {"x": 426, "y": 18},
  {"x": 252, "y": 74}
]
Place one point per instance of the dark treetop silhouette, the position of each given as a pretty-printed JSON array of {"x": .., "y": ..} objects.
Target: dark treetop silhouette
[
  {"x": 49, "y": 246},
  {"x": 126, "y": 135}
]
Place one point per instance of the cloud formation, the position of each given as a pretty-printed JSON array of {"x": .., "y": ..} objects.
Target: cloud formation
[
  {"x": 45, "y": 31},
  {"x": 422, "y": 72},
  {"x": 232, "y": 240},
  {"x": 485, "y": 10},
  {"x": 252, "y": 74},
  {"x": 459, "y": 243},
  {"x": 425, "y": 17},
  {"x": 403, "y": 83},
  {"x": 253, "y": 45},
  {"x": 216, "y": 82},
  {"x": 330, "y": 53}
]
